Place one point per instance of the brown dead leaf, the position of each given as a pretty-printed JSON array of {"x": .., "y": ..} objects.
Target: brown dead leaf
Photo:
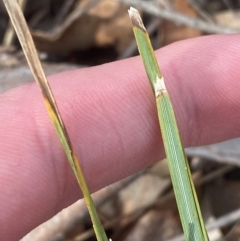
[
  {"x": 154, "y": 225},
  {"x": 142, "y": 192}
]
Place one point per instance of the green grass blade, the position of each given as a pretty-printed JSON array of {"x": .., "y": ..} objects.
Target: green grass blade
[
  {"x": 188, "y": 206},
  {"x": 30, "y": 52}
]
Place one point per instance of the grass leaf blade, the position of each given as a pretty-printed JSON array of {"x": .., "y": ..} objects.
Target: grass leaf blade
[
  {"x": 30, "y": 52},
  {"x": 190, "y": 214}
]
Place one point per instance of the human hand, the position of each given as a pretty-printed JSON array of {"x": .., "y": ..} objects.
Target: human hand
[{"x": 111, "y": 117}]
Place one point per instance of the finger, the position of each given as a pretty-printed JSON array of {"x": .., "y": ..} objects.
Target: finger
[{"x": 111, "y": 117}]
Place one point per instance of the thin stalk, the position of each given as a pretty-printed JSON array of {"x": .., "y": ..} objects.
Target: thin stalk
[
  {"x": 188, "y": 206},
  {"x": 9, "y": 35},
  {"x": 30, "y": 52}
]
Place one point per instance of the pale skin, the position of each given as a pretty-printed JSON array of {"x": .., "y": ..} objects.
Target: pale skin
[{"x": 111, "y": 117}]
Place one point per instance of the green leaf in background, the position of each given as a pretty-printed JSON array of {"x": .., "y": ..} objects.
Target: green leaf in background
[{"x": 188, "y": 206}]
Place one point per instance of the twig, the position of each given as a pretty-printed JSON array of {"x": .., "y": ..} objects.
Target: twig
[
  {"x": 214, "y": 175},
  {"x": 76, "y": 14},
  {"x": 200, "y": 152},
  {"x": 200, "y": 11},
  {"x": 178, "y": 18},
  {"x": 63, "y": 11}
]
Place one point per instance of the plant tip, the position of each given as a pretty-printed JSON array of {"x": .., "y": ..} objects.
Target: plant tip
[{"x": 136, "y": 19}]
